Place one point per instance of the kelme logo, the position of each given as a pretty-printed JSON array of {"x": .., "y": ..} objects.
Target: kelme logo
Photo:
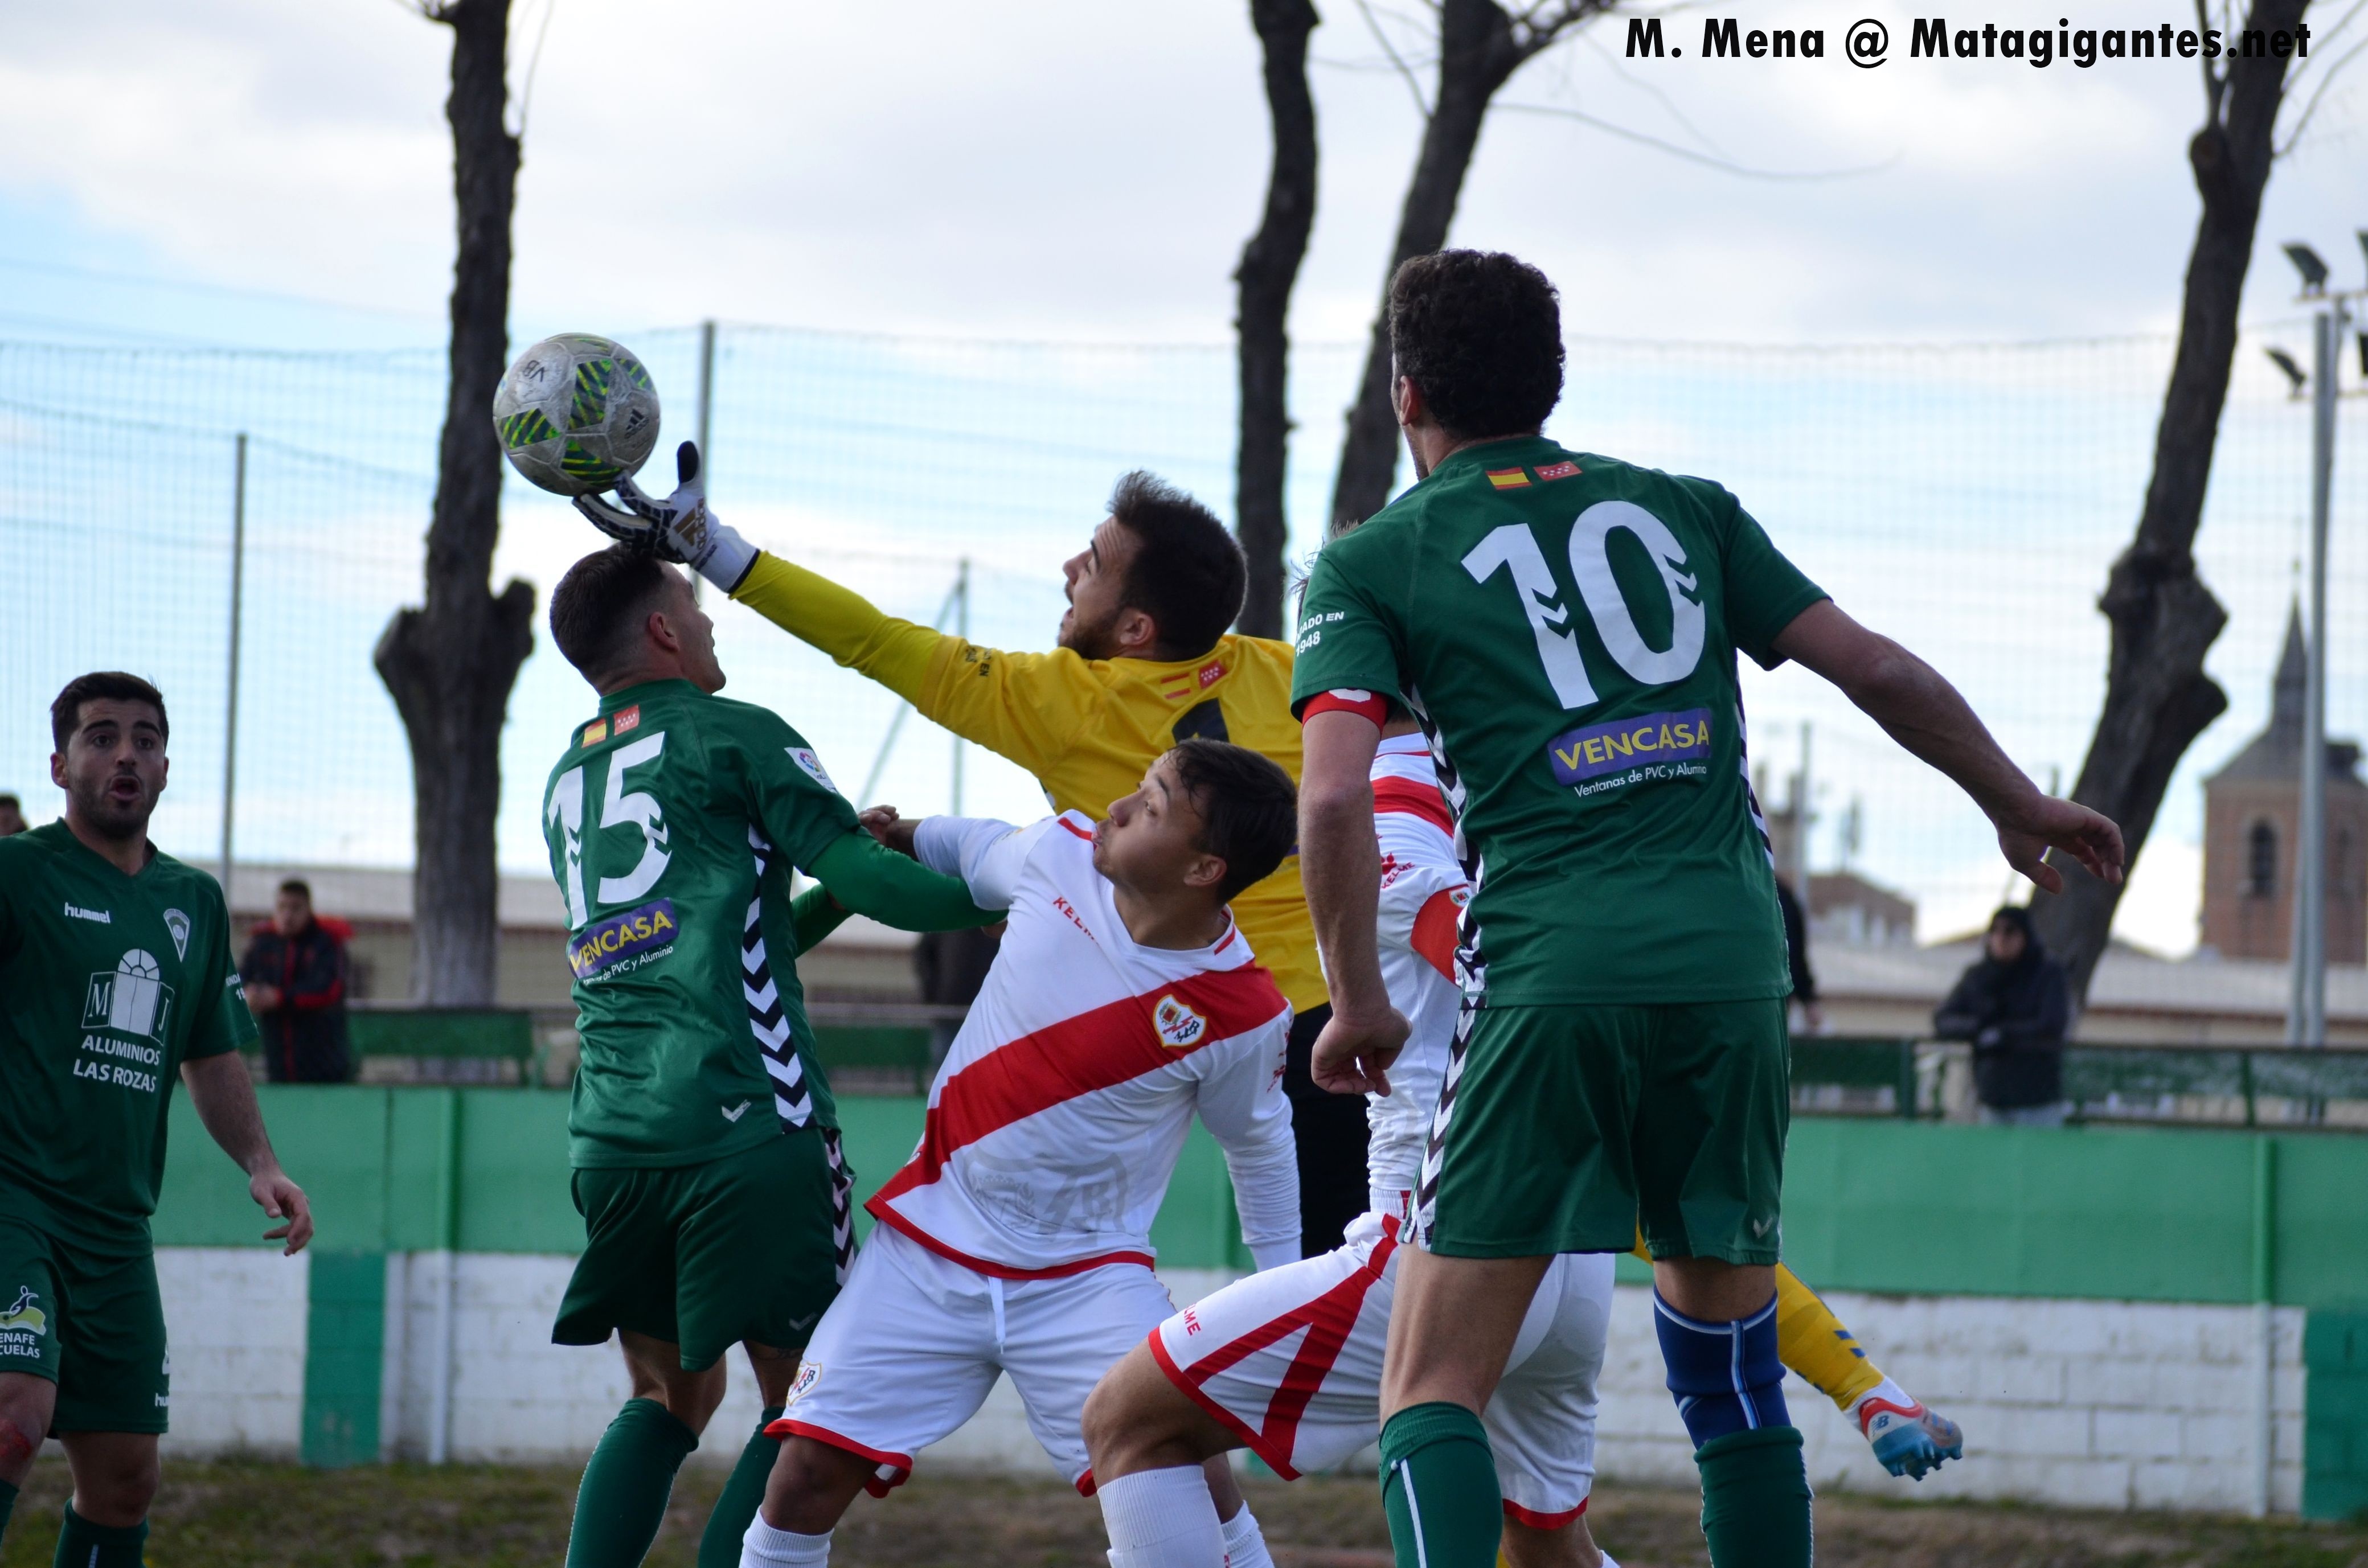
[
  {"x": 24, "y": 1317},
  {"x": 1179, "y": 1027}
]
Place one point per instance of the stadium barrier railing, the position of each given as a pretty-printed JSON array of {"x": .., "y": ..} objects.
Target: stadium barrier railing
[{"x": 2168, "y": 1084}]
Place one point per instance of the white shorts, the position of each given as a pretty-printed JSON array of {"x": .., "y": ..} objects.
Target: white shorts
[
  {"x": 1289, "y": 1361},
  {"x": 911, "y": 1348}
]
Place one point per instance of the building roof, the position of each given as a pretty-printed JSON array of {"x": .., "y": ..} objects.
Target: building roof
[{"x": 2276, "y": 752}]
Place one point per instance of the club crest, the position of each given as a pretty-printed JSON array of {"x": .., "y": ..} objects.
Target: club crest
[
  {"x": 809, "y": 1374},
  {"x": 178, "y": 924},
  {"x": 1178, "y": 1026}
]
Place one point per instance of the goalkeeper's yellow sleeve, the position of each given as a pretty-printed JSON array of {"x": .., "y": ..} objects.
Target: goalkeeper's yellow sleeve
[
  {"x": 1027, "y": 707},
  {"x": 1815, "y": 1343}
]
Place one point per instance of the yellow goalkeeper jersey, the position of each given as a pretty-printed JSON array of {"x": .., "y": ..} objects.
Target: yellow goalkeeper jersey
[{"x": 1085, "y": 728}]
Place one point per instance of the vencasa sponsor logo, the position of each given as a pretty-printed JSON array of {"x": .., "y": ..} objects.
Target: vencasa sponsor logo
[{"x": 635, "y": 932}]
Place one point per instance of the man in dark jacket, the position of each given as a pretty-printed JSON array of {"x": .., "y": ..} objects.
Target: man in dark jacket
[
  {"x": 295, "y": 975},
  {"x": 2015, "y": 1005}
]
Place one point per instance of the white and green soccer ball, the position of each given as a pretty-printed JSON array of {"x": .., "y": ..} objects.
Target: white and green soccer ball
[{"x": 577, "y": 413}]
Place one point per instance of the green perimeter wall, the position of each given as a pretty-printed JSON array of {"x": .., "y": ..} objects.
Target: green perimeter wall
[
  {"x": 2113, "y": 1213},
  {"x": 1877, "y": 1205}
]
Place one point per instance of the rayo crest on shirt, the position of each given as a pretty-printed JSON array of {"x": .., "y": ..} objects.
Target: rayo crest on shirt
[{"x": 1178, "y": 1026}]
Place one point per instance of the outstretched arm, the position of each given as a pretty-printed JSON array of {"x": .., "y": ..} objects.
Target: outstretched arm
[
  {"x": 1925, "y": 714},
  {"x": 868, "y": 878},
  {"x": 224, "y": 1096}
]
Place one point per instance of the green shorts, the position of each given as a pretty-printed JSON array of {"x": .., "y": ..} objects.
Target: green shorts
[
  {"x": 1568, "y": 1128},
  {"x": 91, "y": 1323},
  {"x": 751, "y": 1246}
]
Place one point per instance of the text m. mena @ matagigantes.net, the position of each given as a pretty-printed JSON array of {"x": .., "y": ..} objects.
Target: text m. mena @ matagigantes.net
[{"x": 1866, "y": 43}]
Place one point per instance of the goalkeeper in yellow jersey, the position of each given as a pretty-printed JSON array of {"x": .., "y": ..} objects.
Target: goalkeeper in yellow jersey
[{"x": 1143, "y": 660}]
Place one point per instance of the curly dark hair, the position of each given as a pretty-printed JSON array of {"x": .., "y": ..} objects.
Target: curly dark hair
[{"x": 1480, "y": 333}]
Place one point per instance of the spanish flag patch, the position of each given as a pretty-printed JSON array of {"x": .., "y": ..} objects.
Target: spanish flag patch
[
  {"x": 1563, "y": 469},
  {"x": 595, "y": 731},
  {"x": 1509, "y": 478}
]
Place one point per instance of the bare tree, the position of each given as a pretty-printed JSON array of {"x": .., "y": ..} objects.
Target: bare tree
[
  {"x": 1268, "y": 269},
  {"x": 2157, "y": 699},
  {"x": 1481, "y": 44},
  {"x": 450, "y": 664}
]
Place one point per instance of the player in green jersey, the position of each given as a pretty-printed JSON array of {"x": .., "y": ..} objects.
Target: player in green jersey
[
  {"x": 116, "y": 975},
  {"x": 1565, "y": 628},
  {"x": 702, "y": 1134}
]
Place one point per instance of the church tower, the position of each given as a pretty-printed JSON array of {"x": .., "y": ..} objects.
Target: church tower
[{"x": 2252, "y": 816}]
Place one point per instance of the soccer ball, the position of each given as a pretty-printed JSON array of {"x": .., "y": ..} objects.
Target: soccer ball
[{"x": 577, "y": 413}]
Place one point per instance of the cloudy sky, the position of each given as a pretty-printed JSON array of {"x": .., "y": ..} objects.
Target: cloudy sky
[
  {"x": 277, "y": 172},
  {"x": 1078, "y": 170}
]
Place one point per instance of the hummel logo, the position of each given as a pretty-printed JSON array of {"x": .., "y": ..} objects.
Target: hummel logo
[
  {"x": 737, "y": 1112},
  {"x": 76, "y": 912},
  {"x": 1759, "y": 1227},
  {"x": 798, "y": 1325}
]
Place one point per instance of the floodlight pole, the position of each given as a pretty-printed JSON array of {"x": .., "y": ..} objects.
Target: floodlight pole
[
  {"x": 2306, "y": 1011},
  {"x": 237, "y": 611}
]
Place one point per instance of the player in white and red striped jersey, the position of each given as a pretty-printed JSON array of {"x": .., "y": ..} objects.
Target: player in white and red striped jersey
[
  {"x": 1288, "y": 1363},
  {"x": 1017, "y": 1240}
]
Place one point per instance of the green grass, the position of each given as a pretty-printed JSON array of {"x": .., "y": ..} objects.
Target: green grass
[{"x": 254, "y": 1514}]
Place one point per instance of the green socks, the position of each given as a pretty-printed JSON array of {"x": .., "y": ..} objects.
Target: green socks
[
  {"x": 82, "y": 1544},
  {"x": 1439, "y": 1487},
  {"x": 1756, "y": 1499},
  {"x": 719, "y": 1547},
  {"x": 624, "y": 1497}
]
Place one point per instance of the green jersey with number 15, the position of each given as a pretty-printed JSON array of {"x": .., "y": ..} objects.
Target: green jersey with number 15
[
  {"x": 1565, "y": 627},
  {"x": 673, "y": 822}
]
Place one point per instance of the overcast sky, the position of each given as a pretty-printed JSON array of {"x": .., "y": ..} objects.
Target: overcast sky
[
  {"x": 277, "y": 172},
  {"x": 1074, "y": 170}
]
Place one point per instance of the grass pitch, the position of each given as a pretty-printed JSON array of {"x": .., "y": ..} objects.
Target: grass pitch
[{"x": 272, "y": 1516}]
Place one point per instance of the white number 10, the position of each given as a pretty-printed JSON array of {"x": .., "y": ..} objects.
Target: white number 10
[{"x": 1514, "y": 547}]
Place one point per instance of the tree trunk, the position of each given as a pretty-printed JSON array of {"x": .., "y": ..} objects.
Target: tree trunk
[
  {"x": 2157, "y": 699},
  {"x": 449, "y": 665},
  {"x": 1477, "y": 54},
  {"x": 1268, "y": 269}
]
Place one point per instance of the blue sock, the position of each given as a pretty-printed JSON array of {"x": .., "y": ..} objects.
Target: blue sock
[{"x": 1726, "y": 1376}]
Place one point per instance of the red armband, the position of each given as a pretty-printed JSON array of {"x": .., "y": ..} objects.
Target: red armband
[{"x": 1348, "y": 699}]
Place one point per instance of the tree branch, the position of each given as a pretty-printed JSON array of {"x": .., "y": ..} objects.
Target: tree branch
[
  {"x": 1404, "y": 73},
  {"x": 1706, "y": 159}
]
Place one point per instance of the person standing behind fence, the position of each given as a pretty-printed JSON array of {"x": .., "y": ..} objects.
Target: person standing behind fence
[
  {"x": 296, "y": 975},
  {"x": 2015, "y": 1005},
  {"x": 12, "y": 816}
]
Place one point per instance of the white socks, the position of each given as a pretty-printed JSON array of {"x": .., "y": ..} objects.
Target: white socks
[
  {"x": 765, "y": 1547},
  {"x": 1245, "y": 1546},
  {"x": 1160, "y": 1518}
]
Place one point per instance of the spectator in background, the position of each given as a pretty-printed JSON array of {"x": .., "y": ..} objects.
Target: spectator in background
[
  {"x": 951, "y": 966},
  {"x": 295, "y": 975},
  {"x": 2015, "y": 1005},
  {"x": 1796, "y": 953},
  {"x": 12, "y": 816}
]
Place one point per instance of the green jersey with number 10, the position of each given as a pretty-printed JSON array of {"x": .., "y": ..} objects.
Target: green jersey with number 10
[
  {"x": 673, "y": 822},
  {"x": 1565, "y": 627}
]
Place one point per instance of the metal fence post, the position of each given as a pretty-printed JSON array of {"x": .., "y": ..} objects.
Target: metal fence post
[{"x": 237, "y": 611}]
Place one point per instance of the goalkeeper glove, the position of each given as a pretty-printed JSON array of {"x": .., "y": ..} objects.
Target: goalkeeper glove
[{"x": 679, "y": 528}]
